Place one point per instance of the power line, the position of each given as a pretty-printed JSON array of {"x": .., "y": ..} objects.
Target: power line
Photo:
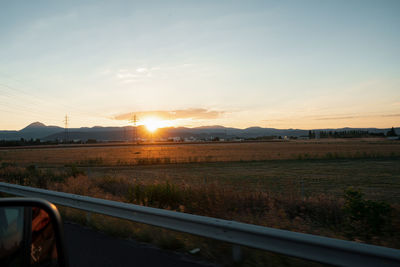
[
  {"x": 54, "y": 103},
  {"x": 37, "y": 103},
  {"x": 23, "y": 112},
  {"x": 27, "y": 109},
  {"x": 26, "y": 102}
]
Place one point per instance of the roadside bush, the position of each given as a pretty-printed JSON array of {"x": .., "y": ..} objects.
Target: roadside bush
[
  {"x": 365, "y": 218},
  {"x": 30, "y": 175},
  {"x": 112, "y": 185},
  {"x": 74, "y": 171},
  {"x": 163, "y": 195},
  {"x": 6, "y": 164},
  {"x": 320, "y": 210},
  {"x": 12, "y": 174},
  {"x": 80, "y": 185}
]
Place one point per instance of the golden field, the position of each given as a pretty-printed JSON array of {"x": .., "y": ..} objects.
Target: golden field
[{"x": 210, "y": 152}]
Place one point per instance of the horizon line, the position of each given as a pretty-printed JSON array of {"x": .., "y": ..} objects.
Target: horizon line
[{"x": 208, "y": 126}]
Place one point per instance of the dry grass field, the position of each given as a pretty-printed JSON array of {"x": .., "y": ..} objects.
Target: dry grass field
[
  {"x": 184, "y": 153},
  {"x": 379, "y": 179},
  {"x": 347, "y": 189}
]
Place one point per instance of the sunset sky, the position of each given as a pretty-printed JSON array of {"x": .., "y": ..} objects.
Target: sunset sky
[{"x": 278, "y": 64}]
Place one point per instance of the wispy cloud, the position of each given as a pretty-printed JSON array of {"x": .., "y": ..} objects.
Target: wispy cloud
[
  {"x": 391, "y": 115},
  {"x": 143, "y": 73},
  {"x": 346, "y": 117},
  {"x": 191, "y": 113},
  {"x": 331, "y": 118},
  {"x": 336, "y": 118},
  {"x": 140, "y": 70},
  {"x": 135, "y": 75}
]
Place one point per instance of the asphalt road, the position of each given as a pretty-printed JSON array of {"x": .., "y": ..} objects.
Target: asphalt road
[{"x": 86, "y": 247}]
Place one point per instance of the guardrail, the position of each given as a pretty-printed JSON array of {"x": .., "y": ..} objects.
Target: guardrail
[{"x": 306, "y": 246}]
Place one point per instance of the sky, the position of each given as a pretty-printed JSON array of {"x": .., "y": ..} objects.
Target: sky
[{"x": 276, "y": 64}]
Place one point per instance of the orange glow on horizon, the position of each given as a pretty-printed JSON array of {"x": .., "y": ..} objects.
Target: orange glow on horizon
[{"x": 152, "y": 124}]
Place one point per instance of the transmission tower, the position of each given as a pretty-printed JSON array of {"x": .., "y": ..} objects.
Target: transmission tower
[
  {"x": 66, "y": 129},
  {"x": 134, "y": 121}
]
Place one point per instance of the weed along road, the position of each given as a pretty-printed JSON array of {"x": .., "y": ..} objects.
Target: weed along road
[{"x": 87, "y": 247}]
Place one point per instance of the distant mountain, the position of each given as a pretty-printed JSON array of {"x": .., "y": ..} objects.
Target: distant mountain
[
  {"x": 211, "y": 127},
  {"x": 32, "y": 131},
  {"x": 34, "y": 125},
  {"x": 38, "y": 130}
]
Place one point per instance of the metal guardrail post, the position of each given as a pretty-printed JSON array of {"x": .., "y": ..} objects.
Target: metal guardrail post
[
  {"x": 88, "y": 217},
  {"x": 236, "y": 253}
]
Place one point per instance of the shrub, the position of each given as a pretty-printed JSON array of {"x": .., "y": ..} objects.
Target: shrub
[
  {"x": 365, "y": 218},
  {"x": 74, "y": 171},
  {"x": 112, "y": 185},
  {"x": 164, "y": 195},
  {"x": 321, "y": 210}
]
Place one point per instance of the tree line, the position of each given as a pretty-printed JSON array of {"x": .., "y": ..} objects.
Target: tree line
[
  {"x": 33, "y": 142},
  {"x": 349, "y": 134}
]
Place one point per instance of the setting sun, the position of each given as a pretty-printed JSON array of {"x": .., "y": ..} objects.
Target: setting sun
[{"x": 152, "y": 124}]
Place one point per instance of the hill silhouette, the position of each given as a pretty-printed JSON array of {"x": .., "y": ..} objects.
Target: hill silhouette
[{"x": 38, "y": 130}]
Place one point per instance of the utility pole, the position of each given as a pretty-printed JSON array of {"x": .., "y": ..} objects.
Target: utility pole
[
  {"x": 134, "y": 120},
  {"x": 135, "y": 129},
  {"x": 66, "y": 129}
]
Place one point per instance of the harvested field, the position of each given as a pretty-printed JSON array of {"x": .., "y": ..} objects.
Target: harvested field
[
  {"x": 379, "y": 179},
  {"x": 193, "y": 153}
]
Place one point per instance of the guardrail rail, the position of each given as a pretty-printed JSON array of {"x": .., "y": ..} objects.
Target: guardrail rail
[{"x": 311, "y": 247}]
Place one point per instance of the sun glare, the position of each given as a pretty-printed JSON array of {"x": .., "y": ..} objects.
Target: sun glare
[{"x": 152, "y": 124}]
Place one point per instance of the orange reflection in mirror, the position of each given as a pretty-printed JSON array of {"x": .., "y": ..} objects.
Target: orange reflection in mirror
[{"x": 43, "y": 248}]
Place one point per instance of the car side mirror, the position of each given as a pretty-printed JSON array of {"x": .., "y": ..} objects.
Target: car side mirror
[{"x": 31, "y": 233}]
